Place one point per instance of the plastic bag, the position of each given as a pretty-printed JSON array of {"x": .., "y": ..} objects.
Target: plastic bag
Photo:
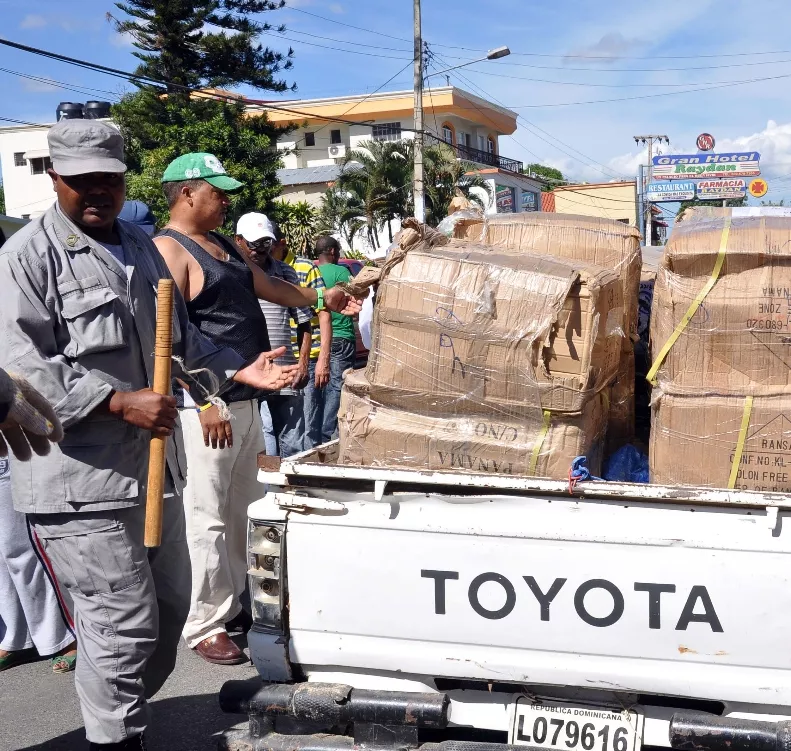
[{"x": 627, "y": 464}]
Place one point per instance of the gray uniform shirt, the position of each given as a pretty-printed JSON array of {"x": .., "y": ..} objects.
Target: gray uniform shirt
[{"x": 77, "y": 327}]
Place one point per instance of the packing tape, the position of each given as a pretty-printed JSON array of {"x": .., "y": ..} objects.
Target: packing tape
[
  {"x": 737, "y": 455},
  {"x": 540, "y": 438},
  {"x": 693, "y": 308}
]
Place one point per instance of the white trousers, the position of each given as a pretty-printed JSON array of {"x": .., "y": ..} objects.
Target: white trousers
[
  {"x": 221, "y": 484},
  {"x": 31, "y": 614}
]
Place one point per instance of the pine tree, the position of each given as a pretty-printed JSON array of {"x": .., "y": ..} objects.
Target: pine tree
[
  {"x": 200, "y": 44},
  {"x": 209, "y": 43}
]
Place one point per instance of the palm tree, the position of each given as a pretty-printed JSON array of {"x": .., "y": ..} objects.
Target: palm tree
[
  {"x": 445, "y": 177},
  {"x": 341, "y": 211},
  {"x": 379, "y": 174}
]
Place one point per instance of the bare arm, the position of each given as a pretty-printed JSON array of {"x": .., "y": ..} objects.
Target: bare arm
[
  {"x": 177, "y": 260},
  {"x": 304, "y": 342},
  {"x": 323, "y": 363}
]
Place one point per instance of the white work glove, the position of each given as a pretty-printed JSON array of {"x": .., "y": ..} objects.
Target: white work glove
[{"x": 27, "y": 420}]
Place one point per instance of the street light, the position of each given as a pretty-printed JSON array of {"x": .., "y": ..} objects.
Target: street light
[{"x": 494, "y": 54}]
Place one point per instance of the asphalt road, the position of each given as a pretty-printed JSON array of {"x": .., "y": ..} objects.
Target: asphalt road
[{"x": 39, "y": 710}]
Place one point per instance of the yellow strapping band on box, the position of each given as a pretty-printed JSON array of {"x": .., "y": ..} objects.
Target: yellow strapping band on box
[
  {"x": 540, "y": 438},
  {"x": 737, "y": 455},
  {"x": 693, "y": 308}
]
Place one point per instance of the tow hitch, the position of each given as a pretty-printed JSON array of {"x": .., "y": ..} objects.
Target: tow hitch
[
  {"x": 697, "y": 731},
  {"x": 336, "y": 717}
]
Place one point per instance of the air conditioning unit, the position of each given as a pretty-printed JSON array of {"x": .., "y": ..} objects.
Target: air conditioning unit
[{"x": 337, "y": 150}]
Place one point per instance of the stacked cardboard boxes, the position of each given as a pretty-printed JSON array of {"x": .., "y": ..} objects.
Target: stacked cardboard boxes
[
  {"x": 486, "y": 361},
  {"x": 721, "y": 339},
  {"x": 603, "y": 242}
]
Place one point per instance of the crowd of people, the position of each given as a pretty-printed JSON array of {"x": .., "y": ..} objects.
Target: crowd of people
[{"x": 261, "y": 339}]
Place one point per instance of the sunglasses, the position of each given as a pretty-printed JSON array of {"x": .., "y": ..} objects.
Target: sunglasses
[{"x": 263, "y": 244}]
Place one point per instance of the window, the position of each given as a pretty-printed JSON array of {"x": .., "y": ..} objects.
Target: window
[
  {"x": 447, "y": 134},
  {"x": 481, "y": 143},
  {"x": 335, "y": 136},
  {"x": 310, "y": 139},
  {"x": 19, "y": 159},
  {"x": 26, "y": 216},
  {"x": 490, "y": 145},
  {"x": 40, "y": 165},
  {"x": 625, "y": 221},
  {"x": 387, "y": 132}
]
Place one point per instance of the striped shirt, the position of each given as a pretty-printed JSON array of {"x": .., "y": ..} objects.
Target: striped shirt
[
  {"x": 278, "y": 318},
  {"x": 309, "y": 276}
]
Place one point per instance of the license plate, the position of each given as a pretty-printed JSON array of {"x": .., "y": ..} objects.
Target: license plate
[{"x": 566, "y": 727}]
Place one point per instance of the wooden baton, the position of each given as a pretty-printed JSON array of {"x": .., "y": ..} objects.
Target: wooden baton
[{"x": 157, "y": 462}]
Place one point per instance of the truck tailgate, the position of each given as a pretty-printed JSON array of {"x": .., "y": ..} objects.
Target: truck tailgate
[{"x": 650, "y": 597}]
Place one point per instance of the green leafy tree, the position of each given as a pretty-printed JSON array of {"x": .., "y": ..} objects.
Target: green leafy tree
[
  {"x": 446, "y": 177},
  {"x": 781, "y": 202},
  {"x": 551, "y": 174},
  {"x": 2, "y": 199},
  {"x": 200, "y": 44},
  {"x": 298, "y": 222},
  {"x": 340, "y": 213}
]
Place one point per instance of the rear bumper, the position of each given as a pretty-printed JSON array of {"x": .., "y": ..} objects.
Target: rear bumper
[{"x": 337, "y": 717}]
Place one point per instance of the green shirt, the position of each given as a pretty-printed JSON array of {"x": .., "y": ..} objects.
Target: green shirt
[{"x": 342, "y": 326}]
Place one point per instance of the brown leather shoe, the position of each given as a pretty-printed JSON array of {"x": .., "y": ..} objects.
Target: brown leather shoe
[{"x": 220, "y": 650}]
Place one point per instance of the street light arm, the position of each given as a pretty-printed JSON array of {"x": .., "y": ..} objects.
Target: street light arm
[{"x": 494, "y": 54}]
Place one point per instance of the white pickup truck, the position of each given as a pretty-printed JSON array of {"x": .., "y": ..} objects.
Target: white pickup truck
[{"x": 399, "y": 608}]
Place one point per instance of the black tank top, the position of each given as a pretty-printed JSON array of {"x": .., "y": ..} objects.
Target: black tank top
[{"x": 226, "y": 310}]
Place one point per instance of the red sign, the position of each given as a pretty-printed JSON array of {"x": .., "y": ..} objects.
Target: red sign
[{"x": 705, "y": 142}]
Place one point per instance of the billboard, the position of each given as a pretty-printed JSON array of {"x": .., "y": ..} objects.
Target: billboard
[
  {"x": 670, "y": 191},
  {"x": 713, "y": 190},
  {"x": 529, "y": 201},
  {"x": 505, "y": 199},
  {"x": 703, "y": 166}
]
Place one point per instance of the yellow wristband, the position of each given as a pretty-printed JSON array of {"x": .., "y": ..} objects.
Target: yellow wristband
[{"x": 205, "y": 407}]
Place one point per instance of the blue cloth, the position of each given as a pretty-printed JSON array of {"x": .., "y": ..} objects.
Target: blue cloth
[
  {"x": 627, "y": 464},
  {"x": 136, "y": 212},
  {"x": 321, "y": 405},
  {"x": 342, "y": 357},
  {"x": 284, "y": 415},
  {"x": 314, "y": 409}
]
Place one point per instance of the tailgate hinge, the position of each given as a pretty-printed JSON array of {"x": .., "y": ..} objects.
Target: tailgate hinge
[{"x": 304, "y": 504}]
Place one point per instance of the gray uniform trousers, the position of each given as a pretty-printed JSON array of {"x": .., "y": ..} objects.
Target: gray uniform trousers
[{"x": 130, "y": 605}]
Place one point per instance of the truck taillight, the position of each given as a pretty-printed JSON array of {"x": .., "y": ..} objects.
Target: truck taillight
[{"x": 265, "y": 547}]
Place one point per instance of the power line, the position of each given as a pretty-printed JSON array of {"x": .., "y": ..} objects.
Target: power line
[
  {"x": 60, "y": 84},
  {"x": 649, "y": 96},
  {"x": 544, "y": 54},
  {"x": 135, "y": 78},
  {"x": 335, "y": 49}
]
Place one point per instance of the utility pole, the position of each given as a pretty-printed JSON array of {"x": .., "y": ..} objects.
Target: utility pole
[
  {"x": 649, "y": 141},
  {"x": 419, "y": 199}
]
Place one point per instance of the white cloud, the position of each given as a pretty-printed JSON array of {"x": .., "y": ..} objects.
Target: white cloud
[
  {"x": 122, "y": 41},
  {"x": 610, "y": 47},
  {"x": 39, "y": 87},
  {"x": 33, "y": 21}
]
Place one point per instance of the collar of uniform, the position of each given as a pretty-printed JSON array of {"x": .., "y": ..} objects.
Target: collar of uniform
[
  {"x": 290, "y": 257},
  {"x": 69, "y": 235}
]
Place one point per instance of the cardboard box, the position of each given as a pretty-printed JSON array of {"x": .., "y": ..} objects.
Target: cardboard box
[
  {"x": 694, "y": 439},
  {"x": 374, "y": 435},
  {"x": 739, "y": 339},
  {"x": 465, "y": 322},
  {"x": 603, "y": 242},
  {"x": 621, "y": 421}
]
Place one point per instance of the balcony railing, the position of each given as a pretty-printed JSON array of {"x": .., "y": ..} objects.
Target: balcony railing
[{"x": 479, "y": 156}]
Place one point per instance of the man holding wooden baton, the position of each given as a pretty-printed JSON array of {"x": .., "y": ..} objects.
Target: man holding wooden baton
[{"x": 77, "y": 316}]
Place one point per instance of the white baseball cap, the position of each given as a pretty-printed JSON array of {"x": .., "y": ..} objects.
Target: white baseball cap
[{"x": 253, "y": 227}]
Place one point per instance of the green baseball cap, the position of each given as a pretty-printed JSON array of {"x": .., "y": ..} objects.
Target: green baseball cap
[{"x": 200, "y": 166}]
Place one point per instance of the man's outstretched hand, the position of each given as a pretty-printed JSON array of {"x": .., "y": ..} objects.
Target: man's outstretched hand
[
  {"x": 27, "y": 420},
  {"x": 338, "y": 301},
  {"x": 264, "y": 374}
]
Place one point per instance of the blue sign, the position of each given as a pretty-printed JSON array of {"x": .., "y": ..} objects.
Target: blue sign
[{"x": 670, "y": 191}]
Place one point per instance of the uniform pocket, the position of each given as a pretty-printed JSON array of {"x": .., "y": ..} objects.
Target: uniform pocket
[
  {"x": 93, "y": 318},
  {"x": 104, "y": 560}
]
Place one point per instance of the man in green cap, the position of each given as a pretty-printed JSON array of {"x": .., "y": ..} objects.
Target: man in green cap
[{"x": 221, "y": 287}]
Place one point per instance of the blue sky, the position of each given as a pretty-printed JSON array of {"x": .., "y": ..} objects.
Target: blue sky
[{"x": 571, "y": 51}]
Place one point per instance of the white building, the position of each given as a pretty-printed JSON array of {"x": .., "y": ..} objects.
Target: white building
[{"x": 24, "y": 156}]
